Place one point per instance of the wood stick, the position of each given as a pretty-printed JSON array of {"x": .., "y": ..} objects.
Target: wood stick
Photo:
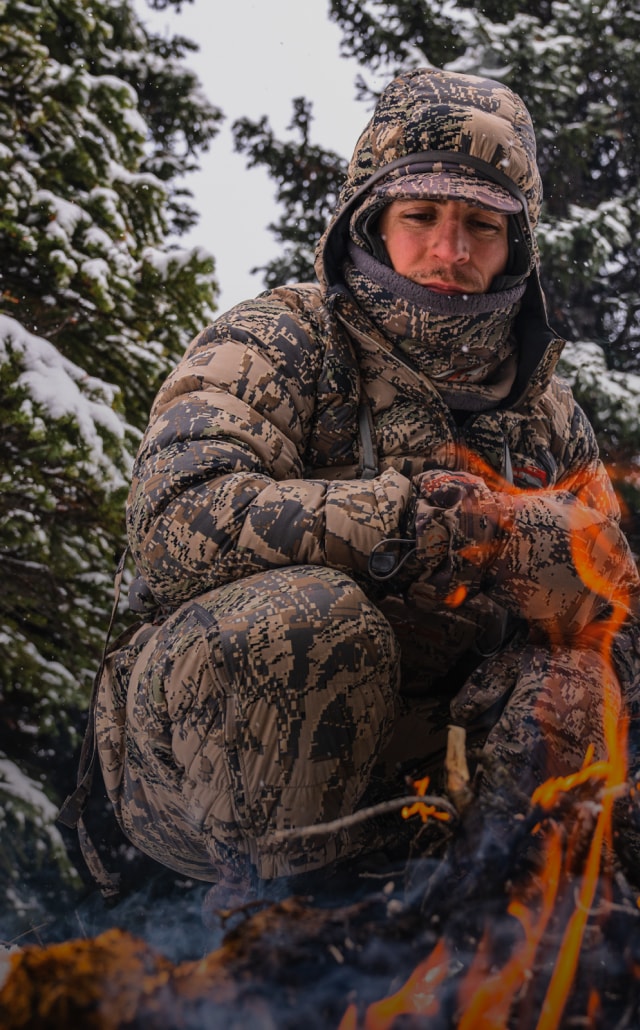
[
  {"x": 383, "y": 808},
  {"x": 457, "y": 770}
]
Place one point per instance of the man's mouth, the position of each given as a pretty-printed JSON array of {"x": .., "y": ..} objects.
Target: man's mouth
[{"x": 439, "y": 287}]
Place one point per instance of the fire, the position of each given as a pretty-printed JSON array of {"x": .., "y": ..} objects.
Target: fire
[
  {"x": 418, "y": 997},
  {"x": 485, "y": 998},
  {"x": 484, "y": 995},
  {"x": 456, "y": 597},
  {"x": 425, "y": 811}
]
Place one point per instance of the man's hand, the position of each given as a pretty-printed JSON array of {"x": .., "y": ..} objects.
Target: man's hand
[
  {"x": 459, "y": 527},
  {"x": 542, "y": 555}
]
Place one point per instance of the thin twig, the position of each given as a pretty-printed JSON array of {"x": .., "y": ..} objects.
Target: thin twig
[
  {"x": 25, "y": 933},
  {"x": 347, "y": 821}
]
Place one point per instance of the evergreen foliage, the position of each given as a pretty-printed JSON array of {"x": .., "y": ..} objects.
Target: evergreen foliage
[
  {"x": 99, "y": 123},
  {"x": 308, "y": 182}
]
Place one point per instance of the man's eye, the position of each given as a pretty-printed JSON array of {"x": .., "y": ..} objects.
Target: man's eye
[
  {"x": 489, "y": 228},
  {"x": 419, "y": 216},
  {"x": 486, "y": 223}
]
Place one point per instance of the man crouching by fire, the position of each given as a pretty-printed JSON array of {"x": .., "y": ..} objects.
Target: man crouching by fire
[{"x": 365, "y": 507}]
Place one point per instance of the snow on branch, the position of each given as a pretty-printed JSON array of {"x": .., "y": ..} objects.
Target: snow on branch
[{"x": 64, "y": 390}]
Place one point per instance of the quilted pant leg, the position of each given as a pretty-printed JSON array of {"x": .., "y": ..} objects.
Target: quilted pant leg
[
  {"x": 560, "y": 700},
  {"x": 261, "y": 705}
]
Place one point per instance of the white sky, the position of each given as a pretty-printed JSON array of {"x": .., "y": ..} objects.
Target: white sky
[{"x": 254, "y": 57}]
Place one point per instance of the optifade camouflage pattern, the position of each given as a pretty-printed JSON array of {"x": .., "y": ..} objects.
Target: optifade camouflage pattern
[
  {"x": 274, "y": 679},
  {"x": 258, "y": 698}
]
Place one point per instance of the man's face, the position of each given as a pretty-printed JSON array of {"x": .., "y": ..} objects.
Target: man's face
[{"x": 445, "y": 245}]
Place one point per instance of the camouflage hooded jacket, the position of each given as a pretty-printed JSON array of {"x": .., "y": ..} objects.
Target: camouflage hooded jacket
[{"x": 292, "y": 430}]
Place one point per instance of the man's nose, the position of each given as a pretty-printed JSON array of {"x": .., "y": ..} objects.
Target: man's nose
[{"x": 451, "y": 241}]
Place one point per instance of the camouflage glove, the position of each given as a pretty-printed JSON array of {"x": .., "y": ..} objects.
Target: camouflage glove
[
  {"x": 460, "y": 526},
  {"x": 542, "y": 555},
  {"x": 562, "y": 566}
]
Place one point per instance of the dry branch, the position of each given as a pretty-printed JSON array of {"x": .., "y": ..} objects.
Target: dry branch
[{"x": 360, "y": 816}]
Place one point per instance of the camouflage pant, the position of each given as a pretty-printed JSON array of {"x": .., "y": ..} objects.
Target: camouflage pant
[
  {"x": 261, "y": 705},
  {"x": 269, "y": 703},
  {"x": 552, "y": 703}
]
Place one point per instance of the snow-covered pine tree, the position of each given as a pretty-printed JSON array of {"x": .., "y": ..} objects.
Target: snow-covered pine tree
[
  {"x": 577, "y": 66},
  {"x": 99, "y": 122}
]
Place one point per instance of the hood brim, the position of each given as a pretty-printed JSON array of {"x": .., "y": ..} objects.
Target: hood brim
[{"x": 458, "y": 184}]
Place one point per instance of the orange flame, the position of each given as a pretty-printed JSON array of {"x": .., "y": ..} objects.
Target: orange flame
[
  {"x": 486, "y": 995},
  {"x": 613, "y": 773},
  {"x": 420, "y": 808},
  {"x": 456, "y": 597},
  {"x": 419, "y": 995}
]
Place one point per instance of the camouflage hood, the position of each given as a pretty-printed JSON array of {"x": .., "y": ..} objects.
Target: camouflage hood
[
  {"x": 448, "y": 136},
  {"x": 469, "y": 138}
]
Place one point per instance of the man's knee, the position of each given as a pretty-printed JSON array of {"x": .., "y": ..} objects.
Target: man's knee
[{"x": 263, "y": 705}]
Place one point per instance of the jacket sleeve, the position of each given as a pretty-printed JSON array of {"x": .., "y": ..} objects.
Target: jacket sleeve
[{"x": 218, "y": 489}]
